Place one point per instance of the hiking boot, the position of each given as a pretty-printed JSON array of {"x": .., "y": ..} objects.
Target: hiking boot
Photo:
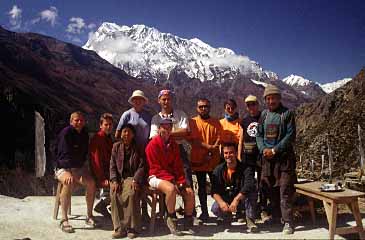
[
  {"x": 171, "y": 224},
  {"x": 224, "y": 221},
  {"x": 240, "y": 217},
  {"x": 204, "y": 216},
  {"x": 251, "y": 226},
  {"x": 119, "y": 234},
  {"x": 288, "y": 229},
  {"x": 131, "y": 233},
  {"x": 265, "y": 217},
  {"x": 189, "y": 225}
]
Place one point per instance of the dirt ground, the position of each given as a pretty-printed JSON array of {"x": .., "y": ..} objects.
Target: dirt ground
[{"x": 31, "y": 218}]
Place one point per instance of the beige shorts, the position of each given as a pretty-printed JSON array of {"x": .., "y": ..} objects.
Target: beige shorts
[{"x": 153, "y": 181}]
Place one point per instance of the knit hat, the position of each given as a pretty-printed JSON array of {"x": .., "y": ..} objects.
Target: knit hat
[
  {"x": 137, "y": 93},
  {"x": 270, "y": 90},
  {"x": 250, "y": 98},
  {"x": 164, "y": 92}
]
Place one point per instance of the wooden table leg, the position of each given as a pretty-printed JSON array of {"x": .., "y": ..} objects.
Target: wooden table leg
[
  {"x": 331, "y": 213},
  {"x": 356, "y": 212},
  {"x": 311, "y": 209}
]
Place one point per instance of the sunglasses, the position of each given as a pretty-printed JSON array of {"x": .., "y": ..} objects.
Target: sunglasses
[{"x": 203, "y": 106}]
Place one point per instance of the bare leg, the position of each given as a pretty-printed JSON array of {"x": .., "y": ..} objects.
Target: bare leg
[
  {"x": 169, "y": 190},
  {"x": 90, "y": 186}
]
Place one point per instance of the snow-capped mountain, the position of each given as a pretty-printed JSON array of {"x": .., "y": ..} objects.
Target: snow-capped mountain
[
  {"x": 145, "y": 52},
  {"x": 330, "y": 87},
  {"x": 305, "y": 86}
]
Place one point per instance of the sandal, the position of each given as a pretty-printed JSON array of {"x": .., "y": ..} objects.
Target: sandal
[
  {"x": 90, "y": 222},
  {"x": 67, "y": 228}
]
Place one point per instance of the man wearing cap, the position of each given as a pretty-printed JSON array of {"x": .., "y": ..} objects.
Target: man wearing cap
[
  {"x": 140, "y": 119},
  {"x": 180, "y": 129},
  {"x": 247, "y": 149},
  {"x": 167, "y": 175},
  {"x": 275, "y": 140}
]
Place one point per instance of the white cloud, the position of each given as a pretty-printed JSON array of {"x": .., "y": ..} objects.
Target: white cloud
[
  {"x": 15, "y": 17},
  {"x": 73, "y": 38},
  {"x": 124, "y": 49},
  {"x": 49, "y": 15},
  {"x": 76, "y": 25},
  {"x": 91, "y": 26}
]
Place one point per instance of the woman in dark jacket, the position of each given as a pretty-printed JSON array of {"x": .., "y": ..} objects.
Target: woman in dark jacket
[{"x": 127, "y": 177}]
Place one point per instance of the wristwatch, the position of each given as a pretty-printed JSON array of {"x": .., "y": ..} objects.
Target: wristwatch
[{"x": 273, "y": 151}]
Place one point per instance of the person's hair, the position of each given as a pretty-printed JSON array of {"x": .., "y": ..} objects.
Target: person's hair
[
  {"x": 231, "y": 102},
  {"x": 77, "y": 113},
  {"x": 130, "y": 126},
  {"x": 106, "y": 117},
  {"x": 203, "y": 99},
  {"x": 229, "y": 144}
]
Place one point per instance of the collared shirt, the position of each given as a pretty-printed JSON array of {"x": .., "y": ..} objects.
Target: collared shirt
[{"x": 141, "y": 121}]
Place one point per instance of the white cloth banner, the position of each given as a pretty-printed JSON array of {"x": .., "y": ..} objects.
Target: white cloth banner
[{"x": 39, "y": 150}]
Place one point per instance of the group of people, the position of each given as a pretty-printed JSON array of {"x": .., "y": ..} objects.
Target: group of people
[{"x": 250, "y": 163}]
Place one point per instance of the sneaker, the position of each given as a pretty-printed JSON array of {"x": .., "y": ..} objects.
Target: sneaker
[
  {"x": 119, "y": 234},
  {"x": 251, "y": 226},
  {"x": 204, "y": 216},
  {"x": 171, "y": 224},
  {"x": 220, "y": 221},
  {"x": 288, "y": 229},
  {"x": 189, "y": 225}
]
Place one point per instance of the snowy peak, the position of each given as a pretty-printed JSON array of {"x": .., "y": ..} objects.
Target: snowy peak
[
  {"x": 307, "y": 87},
  {"x": 297, "y": 81},
  {"x": 141, "y": 50},
  {"x": 330, "y": 87}
]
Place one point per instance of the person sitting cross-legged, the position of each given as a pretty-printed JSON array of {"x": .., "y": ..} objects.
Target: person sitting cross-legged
[
  {"x": 166, "y": 173},
  {"x": 233, "y": 187},
  {"x": 127, "y": 178}
]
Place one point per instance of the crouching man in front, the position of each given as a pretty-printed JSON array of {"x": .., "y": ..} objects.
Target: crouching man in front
[
  {"x": 233, "y": 187},
  {"x": 127, "y": 177},
  {"x": 166, "y": 173}
]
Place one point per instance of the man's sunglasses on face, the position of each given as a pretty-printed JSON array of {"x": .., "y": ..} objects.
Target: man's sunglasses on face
[{"x": 203, "y": 106}]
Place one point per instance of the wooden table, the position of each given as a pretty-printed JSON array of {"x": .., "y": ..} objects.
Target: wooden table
[{"x": 330, "y": 202}]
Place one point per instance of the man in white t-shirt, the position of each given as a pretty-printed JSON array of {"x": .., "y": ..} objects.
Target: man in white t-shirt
[{"x": 180, "y": 128}]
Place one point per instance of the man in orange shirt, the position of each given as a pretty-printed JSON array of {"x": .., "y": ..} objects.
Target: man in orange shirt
[
  {"x": 230, "y": 123},
  {"x": 205, "y": 139}
]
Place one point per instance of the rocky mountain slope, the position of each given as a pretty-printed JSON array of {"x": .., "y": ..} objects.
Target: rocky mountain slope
[{"x": 335, "y": 116}]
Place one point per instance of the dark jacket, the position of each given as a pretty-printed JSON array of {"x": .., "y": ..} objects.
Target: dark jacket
[
  {"x": 242, "y": 181},
  {"x": 277, "y": 130},
  {"x": 137, "y": 163},
  {"x": 72, "y": 148}
]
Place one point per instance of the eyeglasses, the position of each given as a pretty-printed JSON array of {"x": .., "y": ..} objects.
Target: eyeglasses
[{"x": 203, "y": 106}]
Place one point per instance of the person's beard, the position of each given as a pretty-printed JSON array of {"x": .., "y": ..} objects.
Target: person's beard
[{"x": 204, "y": 116}]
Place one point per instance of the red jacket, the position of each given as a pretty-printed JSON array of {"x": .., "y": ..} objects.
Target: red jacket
[
  {"x": 164, "y": 160},
  {"x": 100, "y": 151}
]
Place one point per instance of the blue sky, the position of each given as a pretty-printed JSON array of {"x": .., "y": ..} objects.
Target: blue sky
[{"x": 322, "y": 40}]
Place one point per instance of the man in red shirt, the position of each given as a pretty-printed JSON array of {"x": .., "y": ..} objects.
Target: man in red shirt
[
  {"x": 100, "y": 150},
  {"x": 166, "y": 173}
]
